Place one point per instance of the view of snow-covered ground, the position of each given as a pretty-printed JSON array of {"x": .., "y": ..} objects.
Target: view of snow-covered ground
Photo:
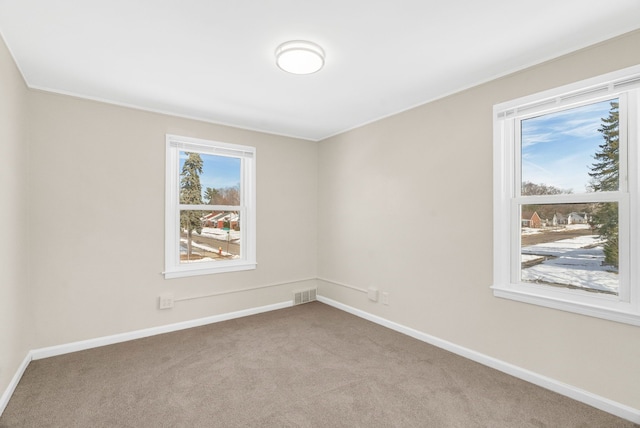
[
  {"x": 215, "y": 233},
  {"x": 577, "y": 262},
  {"x": 530, "y": 231},
  {"x": 221, "y": 234}
]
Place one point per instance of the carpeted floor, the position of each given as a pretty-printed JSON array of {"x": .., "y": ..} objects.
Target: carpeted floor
[{"x": 306, "y": 366}]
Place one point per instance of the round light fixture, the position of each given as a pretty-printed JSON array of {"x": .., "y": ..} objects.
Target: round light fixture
[{"x": 300, "y": 57}]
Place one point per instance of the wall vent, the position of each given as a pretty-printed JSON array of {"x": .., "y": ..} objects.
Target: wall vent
[{"x": 304, "y": 296}]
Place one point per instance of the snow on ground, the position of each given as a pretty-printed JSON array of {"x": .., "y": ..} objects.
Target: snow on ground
[
  {"x": 524, "y": 258},
  {"x": 221, "y": 234},
  {"x": 572, "y": 227},
  {"x": 576, "y": 261},
  {"x": 531, "y": 230},
  {"x": 564, "y": 245},
  {"x": 210, "y": 232},
  {"x": 183, "y": 249},
  {"x": 563, "y": 228}
]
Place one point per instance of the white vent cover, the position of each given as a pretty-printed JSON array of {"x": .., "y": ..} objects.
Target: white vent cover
[{"x": 304, "y": 296}]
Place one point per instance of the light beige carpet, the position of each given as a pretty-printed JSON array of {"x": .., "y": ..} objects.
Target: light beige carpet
[{"x": 306, "y": 366}]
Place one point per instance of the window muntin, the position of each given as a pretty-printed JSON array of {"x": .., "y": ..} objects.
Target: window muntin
[
  {"x": 541, "y": 180},
  {"x": 210, "y": 208}
]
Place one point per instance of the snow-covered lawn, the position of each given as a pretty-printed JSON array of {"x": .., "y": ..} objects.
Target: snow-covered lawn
[
  {"x": 221, "y": 234},
  {"x": 183, "y": 250},
  {"x": 210, "y": 232},
  {"x": 531, "y": 230},
  {"x": 576, "y": 262}
]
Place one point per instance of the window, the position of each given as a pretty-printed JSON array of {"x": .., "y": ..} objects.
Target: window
[
  {"x": 566, "y": 192},
  {"x": 210, "y": 220}
]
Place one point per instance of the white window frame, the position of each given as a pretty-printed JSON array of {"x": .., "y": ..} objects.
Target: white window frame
[
  {"x": 247, "y": 208},
  {"x": 507, "y": 117}
]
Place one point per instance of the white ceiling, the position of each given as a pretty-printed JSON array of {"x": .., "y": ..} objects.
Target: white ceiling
[{"x": 214, "y": 60}]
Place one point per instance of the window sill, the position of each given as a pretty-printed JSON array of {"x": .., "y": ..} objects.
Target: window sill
[
  {"x": 626, "y": 317},
  {"x": 208, "y": 270}
]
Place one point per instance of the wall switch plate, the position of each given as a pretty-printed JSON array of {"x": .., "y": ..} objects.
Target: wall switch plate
[
  {"x": 372, "y": 293},
  {"x": 165, "y": 301},
  {"x": 385, "y": 298}
]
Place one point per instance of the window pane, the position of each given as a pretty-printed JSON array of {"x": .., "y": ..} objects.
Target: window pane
[
  {"x": 571, "y": 246},
  {"x": 209, "y": 236},
  {"x": 209, "y": 179},
  {"x": 571, "y": 151}
]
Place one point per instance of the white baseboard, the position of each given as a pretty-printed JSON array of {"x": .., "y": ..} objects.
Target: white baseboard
[
  {"x": 139, "y": 334},
  {"x": 6, "y": 395},
  {"x": 602, "y": 403},
  {"x": 52, "y": 351}
]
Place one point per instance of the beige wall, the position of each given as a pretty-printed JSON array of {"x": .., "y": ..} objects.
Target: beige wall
[
  {"x": 406, "y": 205},
  {"x": 97, "y": 220},
  {"x": 15, "y": 310}
]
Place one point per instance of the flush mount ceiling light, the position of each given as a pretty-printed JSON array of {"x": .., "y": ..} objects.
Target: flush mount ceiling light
[{"x": 299, "y": 57}]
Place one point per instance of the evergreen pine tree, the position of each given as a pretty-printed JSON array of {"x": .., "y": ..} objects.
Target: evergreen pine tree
[
  {"x": 191, "y": 193},
  {"x": 212, "y": 196},
  {"x": 605, "y": 176}
]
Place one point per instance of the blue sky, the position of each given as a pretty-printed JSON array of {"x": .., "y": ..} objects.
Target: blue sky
[
  {"x": 218, "y": 171},
  {"x": 558, "y": 148}
]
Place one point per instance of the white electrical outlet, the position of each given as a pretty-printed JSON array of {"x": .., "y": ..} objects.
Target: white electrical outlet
[
  {"x": 165, "y": 301},
  {"x": 372, "y": 293},
  {"x": 385, "y": 298}
]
